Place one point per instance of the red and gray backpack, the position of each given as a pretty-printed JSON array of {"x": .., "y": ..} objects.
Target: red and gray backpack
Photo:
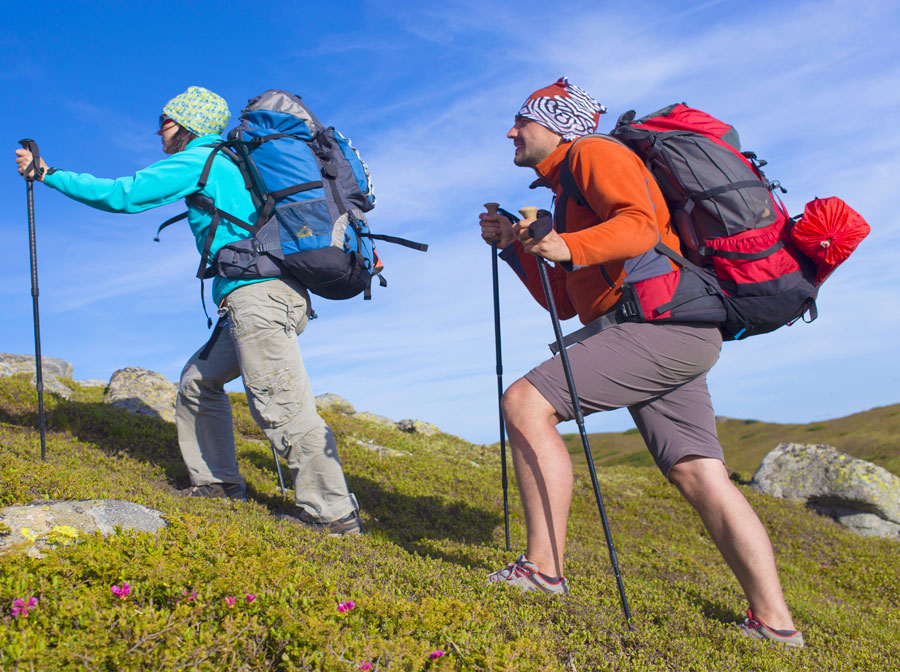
[{"x": 745, "y": 264}]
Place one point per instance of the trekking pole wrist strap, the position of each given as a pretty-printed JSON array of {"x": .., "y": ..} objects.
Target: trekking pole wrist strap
[{"x": 35, "y": 165}]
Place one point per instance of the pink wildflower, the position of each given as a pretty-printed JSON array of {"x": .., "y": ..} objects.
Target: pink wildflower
[
  {"x": 434, "y": 655},
  {"x": 251, "y": 597},
  {"x": 122, "y": 592},
  {"x": 21, "y": 606},
  {"x": 346, "y": 606},
  {"x": 230, "y": 600},
  {"x": 365, "y": 666},
  {"x": 192, "y": 596}
]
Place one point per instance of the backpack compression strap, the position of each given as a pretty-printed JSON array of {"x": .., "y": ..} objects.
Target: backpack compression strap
[{"x": 422, "y": 247}]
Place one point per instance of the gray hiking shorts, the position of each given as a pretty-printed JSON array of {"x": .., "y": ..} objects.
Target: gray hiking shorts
[{"x": 657, "y": 371}]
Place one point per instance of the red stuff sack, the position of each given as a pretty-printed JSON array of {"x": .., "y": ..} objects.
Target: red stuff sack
[{"x": 828, "y": 233}]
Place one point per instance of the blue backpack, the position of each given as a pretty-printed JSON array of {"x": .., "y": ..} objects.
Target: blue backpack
[{"x": 311, "y": 191}]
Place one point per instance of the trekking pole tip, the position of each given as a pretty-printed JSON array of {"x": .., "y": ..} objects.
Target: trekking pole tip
[
  {"x": 491, "y": 208},
  {"x": 529, "y": 212}
]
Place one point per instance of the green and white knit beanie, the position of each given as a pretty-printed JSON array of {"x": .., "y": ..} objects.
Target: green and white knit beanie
[{"x": 199, "y": 110}]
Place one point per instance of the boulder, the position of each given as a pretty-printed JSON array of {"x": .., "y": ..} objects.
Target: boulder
[
  {"x": 41, "y": 526},
  {"x": 142, "y": 392},
  {"x": 52, "y": 369},
  {"x": 332, "y": 402},
  {"x": 377, "y": 419},
  {"x": 416, "y": 427},
  {"x": 858, "y": 494}
]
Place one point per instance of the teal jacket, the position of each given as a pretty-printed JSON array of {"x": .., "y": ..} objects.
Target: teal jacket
[{"x": 165, "y": 182}]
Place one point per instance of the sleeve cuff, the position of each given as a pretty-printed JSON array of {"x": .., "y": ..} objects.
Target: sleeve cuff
[{"x": 508, "y": 252}]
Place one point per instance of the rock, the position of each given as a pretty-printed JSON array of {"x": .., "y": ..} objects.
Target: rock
[
  {"x": 332, "y": 402},
  {"x": 52, "y": 369},
  {"x": 378, "y": 419},
  {"x": 142, "y": 392},
  {"x": 416, "y": 427},
  {"x": 42, "y": 526},
  {"x": 368, "y": 444},
  {"x": 858, "y": 494}
]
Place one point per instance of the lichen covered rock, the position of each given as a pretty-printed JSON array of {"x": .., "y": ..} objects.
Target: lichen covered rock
[
  {"x": 858, "y": 494},
  {"x": 39, "y": 527},
  {"x": 52, "y": 369},
  {"x": 333, "y": 402},
  {"x": 142, "y": 392},
  {"x": 416, "y": 427}
]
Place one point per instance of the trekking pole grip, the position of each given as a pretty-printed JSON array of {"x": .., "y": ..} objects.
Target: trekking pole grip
[
  {"x": 539, "y": 228},
  {"x": 32, "y": 147}
]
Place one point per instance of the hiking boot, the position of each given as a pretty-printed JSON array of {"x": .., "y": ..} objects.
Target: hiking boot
[
  {"x": 349, "y": 524},
  {"x": 236, "y": 491},
  {"x": 524, "y": 574},
  {"x": 756, "y": 629}
]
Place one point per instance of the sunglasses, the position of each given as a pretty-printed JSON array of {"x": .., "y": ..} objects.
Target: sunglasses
[{"x": 163, "y": 120}]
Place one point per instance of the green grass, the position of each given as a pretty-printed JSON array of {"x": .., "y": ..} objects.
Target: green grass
[{"x": 434, "y": 528}]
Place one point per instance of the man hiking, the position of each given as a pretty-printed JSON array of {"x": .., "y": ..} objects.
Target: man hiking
[
  {"x": 657, "y": 371},
  {"x": 265, "y": 316}
]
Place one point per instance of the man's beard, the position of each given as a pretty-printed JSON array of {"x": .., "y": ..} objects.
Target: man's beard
[{"x": 527, "y": 158}]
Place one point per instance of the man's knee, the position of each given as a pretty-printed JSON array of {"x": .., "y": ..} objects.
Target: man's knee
[
  {"x": 694, "y": 476},
  {"x": 523, "y": 402}
]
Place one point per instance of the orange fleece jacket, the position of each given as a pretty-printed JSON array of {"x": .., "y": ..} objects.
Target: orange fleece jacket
[{"x": 627, "y": 217}]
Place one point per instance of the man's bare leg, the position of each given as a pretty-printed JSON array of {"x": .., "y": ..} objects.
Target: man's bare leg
[
  {"x": 543, "y": 471},
  {"x": 738, "y": 534}
]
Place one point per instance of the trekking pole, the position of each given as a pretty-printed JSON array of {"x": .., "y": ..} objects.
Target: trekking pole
[
  {"x": 32, "y": 147},
  {"x": 539, "y": 232},
  {"x": 492, "y": 210},
  {"x": 278, "y": 469}
]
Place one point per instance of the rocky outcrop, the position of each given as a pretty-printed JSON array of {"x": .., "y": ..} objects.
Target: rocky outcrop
[
  {"x": 333, "y": 402},
  {"x": 416, "y": 427},
  {"x": 858, "y": 494},
  {"x": 42, "y": 526},
  {"x": 52, "y": 369},
  {"x": 377, "y": 419},
  {"x": 337, "y": 404},
  {"x": 383, "y": 451},
  {"x": 142, "y": 392}
]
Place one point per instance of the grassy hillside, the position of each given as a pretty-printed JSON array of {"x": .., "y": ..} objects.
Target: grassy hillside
[
  {"x": 434, "y": 529},
  {"x": 871, "y": 435}
]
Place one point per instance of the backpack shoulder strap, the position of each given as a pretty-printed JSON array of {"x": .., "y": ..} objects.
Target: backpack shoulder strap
[
  {"x": 567, "y": 179},
  {"x": 569, "y": 186}
]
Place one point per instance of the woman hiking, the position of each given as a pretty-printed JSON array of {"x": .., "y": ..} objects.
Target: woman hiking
[{"x": 259, "y": 340}]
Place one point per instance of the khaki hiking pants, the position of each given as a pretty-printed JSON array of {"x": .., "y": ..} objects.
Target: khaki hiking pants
[{"x": 259, "y": 343}]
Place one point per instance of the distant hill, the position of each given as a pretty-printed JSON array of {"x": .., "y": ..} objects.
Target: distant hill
[{"x": 872, "y": 435}]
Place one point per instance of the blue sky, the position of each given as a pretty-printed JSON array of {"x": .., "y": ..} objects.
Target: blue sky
[{"x": 427, "y": 93}]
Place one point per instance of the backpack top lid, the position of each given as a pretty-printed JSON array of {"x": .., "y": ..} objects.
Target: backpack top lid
[
  {"x": 680, "y": 117},
  {"x": 282, "y": 112}
]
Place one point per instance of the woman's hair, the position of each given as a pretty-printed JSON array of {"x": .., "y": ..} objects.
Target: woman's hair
[{"x": 179, "y": 141}]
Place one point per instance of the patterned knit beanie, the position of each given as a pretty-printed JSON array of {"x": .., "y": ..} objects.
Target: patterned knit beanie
[
  {"x": 199, "y": 110},
  {"x": 564, "y": 109}
]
